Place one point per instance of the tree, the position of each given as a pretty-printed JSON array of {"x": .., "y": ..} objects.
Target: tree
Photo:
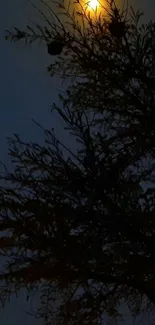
[{"x": 81, "y": 224}]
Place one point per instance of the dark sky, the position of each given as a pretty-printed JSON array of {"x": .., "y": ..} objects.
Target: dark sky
[{"x": 26, "y": 92}]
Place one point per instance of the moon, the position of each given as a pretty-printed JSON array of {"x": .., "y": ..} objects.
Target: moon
[{"x": 93, "y": 4}]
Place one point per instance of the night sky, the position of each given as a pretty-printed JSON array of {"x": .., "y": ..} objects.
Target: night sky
[{"x": 26, "y": 92}]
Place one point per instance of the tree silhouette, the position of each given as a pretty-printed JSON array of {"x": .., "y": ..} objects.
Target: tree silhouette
[{"x": 80, "y": 224}]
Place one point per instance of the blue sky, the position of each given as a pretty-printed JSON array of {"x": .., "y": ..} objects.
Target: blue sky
[{"x": 26, "y": 92}]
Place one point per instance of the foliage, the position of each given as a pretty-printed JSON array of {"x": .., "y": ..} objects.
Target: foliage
[{"x": 81, "y": 223}]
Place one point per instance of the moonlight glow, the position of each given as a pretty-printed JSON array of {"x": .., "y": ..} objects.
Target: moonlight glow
[{"x": 93, "y": 4}]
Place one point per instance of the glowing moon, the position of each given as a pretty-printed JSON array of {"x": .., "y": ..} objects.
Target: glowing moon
[{"x": 93, "y": 4}]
